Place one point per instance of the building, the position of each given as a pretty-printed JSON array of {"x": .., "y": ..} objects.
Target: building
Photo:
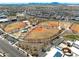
[{"x": 3, "y": 18}]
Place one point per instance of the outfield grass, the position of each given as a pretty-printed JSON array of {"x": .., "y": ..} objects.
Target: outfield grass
[{"x": 71, "y": 37}]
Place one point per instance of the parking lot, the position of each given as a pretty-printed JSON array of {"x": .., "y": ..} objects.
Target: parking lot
[{"x": 11, "y": 39}]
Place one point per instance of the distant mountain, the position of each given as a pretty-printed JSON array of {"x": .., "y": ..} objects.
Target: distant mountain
[
  {"x": 30, "y": 4},
  {"x": 55, "y": 3},
  {"x": 13, "y": 5},
  {"x": 52, "y": 3}
]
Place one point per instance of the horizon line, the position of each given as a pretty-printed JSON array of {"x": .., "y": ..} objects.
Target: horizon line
[{"x": 42, "y": 2}]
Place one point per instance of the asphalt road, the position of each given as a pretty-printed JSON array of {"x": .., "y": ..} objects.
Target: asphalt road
[{"x": 10, "y": 50}]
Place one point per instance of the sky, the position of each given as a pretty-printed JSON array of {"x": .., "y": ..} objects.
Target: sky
[{"x": 39, "y": 1}]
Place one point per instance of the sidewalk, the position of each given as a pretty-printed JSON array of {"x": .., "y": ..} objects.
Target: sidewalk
[{"x": 21, "y": 50}]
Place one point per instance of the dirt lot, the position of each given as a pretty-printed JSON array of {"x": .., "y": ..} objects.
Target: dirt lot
[
  {"x": 14, "y": 26},
  {"x": 42, "y": 33},
  {"x": 75, "y": 28}
]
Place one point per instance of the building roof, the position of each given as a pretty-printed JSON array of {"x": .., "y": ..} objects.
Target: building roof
[{"x": 3, "y": 20}]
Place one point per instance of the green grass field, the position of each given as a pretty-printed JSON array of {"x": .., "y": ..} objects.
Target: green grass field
[{"x": 71, "y": 37}]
